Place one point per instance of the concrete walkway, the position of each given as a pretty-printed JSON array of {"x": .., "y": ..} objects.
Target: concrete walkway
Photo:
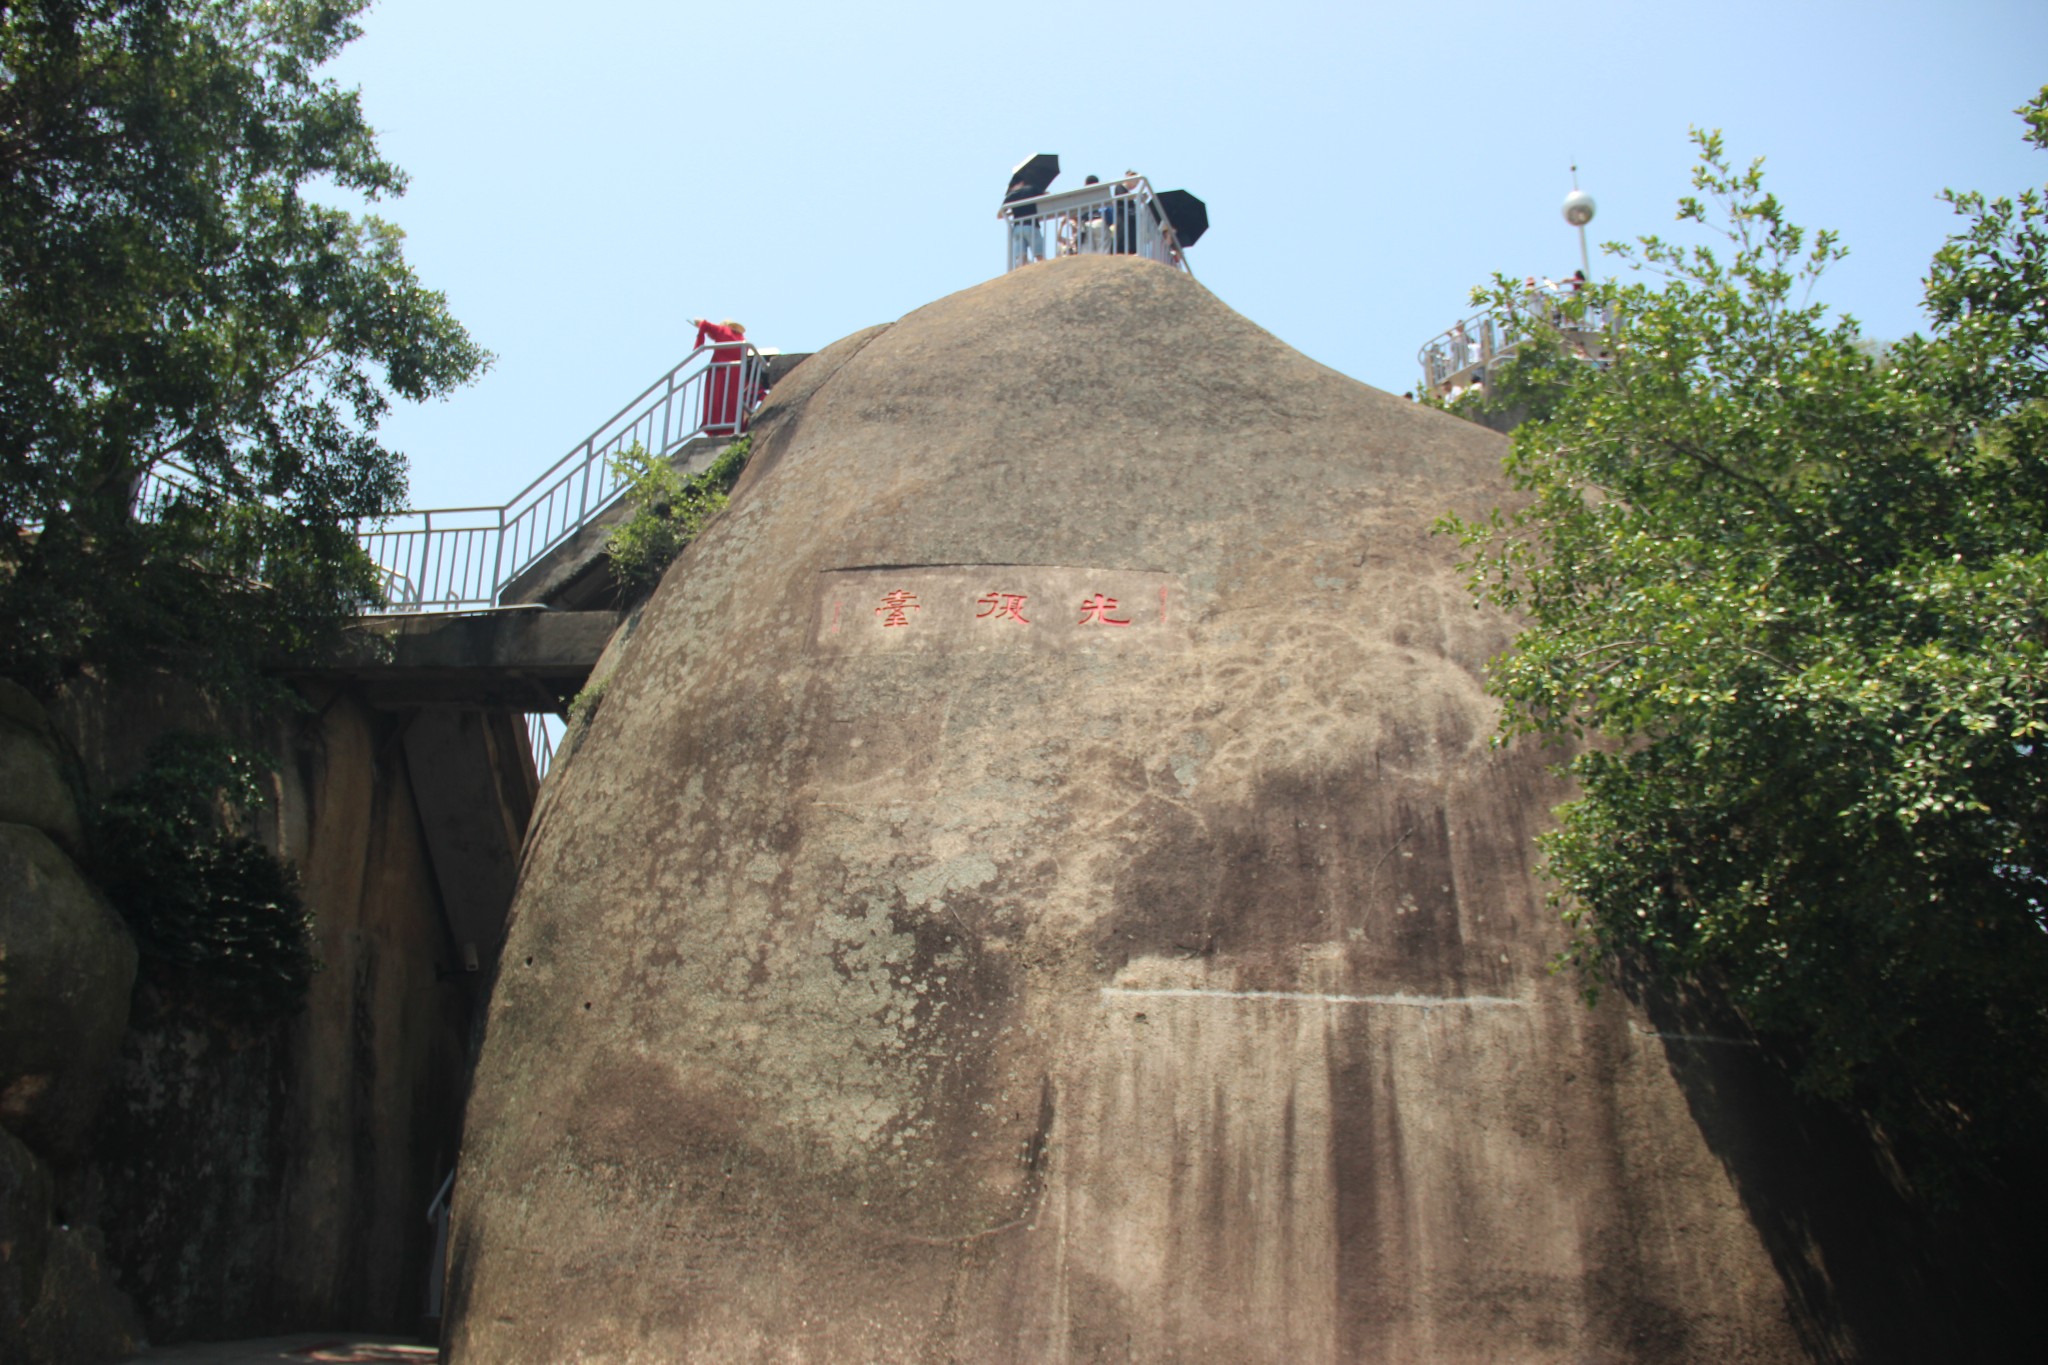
[{"x": 336, "y": 1348}]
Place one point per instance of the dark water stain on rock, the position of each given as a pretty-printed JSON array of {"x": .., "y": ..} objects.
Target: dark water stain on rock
[{"x": 1340, "y": 857}]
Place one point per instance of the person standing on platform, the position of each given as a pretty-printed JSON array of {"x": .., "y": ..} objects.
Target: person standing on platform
[
  {"x": 1123, "y": 222},
  {"x": 724, "y": 410},
  {"x": 1027, "y": 238}
]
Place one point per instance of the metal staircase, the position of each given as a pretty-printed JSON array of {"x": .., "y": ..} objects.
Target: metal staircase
[{"x": 461, "y": 558}]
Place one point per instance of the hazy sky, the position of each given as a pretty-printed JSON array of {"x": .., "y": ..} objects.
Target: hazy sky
[{"x": 586, "y": 179}]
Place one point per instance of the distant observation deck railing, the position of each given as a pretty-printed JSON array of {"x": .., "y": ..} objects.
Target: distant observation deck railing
[
  {"x": 462, "y": 558},
  {"x": 1120, "y": 218},
  {"x": 1470, "y": 348},
  {"x": 161, "y": 482}
]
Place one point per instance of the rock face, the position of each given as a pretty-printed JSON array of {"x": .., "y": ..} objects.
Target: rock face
[
  {"x": 81, "y": 1316},
  {"x": 1038, "y": 888},
  {"x": 66, "y": 967},
  {"x": 24, "y": 1236},
  {"x": 32, "y": 786},
  {"x": 252, "y": 1181}
]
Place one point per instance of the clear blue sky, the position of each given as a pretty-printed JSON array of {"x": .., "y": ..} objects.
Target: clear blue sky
[{"x": 587, "y": 178}]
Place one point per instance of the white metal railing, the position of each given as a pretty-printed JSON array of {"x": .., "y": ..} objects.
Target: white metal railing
[
  {"x": 542, "y": 729},
  {"x": 1119, "y": 218},
  {"x": 462, "y": 558},
  {"x": 168, "y": 479},
  {"x": 163, "y": 481},
  {"x": 1471, "y": 347}
]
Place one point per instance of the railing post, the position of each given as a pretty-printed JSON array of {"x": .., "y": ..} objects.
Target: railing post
[
  {"x": 667, "y": 410},
  {"x": 589, "y": 454},
  {"x": 497, "y": 559}
]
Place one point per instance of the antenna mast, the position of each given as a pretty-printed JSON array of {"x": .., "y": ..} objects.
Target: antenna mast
[{"x": 1578, "y": 211}]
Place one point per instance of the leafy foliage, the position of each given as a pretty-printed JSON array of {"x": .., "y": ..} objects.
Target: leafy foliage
[
  {"x": 169, "y": 296},
  {"x": 668, "y": 510},
  {"x": 1793, "y": 595},
  {"x": 203, "y": 898}
]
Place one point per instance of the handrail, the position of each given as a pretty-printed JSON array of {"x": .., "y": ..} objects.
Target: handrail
[{"x": 468, "y": 559}]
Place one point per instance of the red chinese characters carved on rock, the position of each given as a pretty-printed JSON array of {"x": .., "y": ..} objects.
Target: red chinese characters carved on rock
[
  {"x": 1002, "y": 606},
  {"x": 896, "y": 608},
  {"x": 1095, "y": 611}
]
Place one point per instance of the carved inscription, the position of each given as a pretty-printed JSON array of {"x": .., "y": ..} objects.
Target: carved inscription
[{"x": 950, "y": 607}]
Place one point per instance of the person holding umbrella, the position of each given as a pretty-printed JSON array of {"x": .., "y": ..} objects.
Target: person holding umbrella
[
  {"x": 1028, "y": 181},
  {"x": 1187, "y": 218}
]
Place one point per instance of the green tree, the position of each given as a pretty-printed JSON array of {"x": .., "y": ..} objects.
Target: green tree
[
  {"x": 1788, "y": 597},
  {"x": 171, "y": 297}
]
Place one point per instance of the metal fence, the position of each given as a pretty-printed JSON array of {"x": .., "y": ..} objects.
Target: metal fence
[
  {"x": 1468, "y": 349},
  {"x": 1120, "y": 218},
  {"x": 461, "y": 558},
  {"x": 461, "y": 549}
]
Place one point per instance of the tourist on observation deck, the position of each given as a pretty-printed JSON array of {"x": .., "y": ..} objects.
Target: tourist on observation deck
[
  {"x": 1123, "y": 222},
  {"x": 1089, "y": 234},
  {"x": 1027, "y": 238},
  {"x": 725, "y": 384}
]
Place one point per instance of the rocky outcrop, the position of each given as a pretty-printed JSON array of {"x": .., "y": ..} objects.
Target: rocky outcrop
[
  {"x": 67, "y": 965},
  {"x": 80, "y": 1317},
  {"x": 33, "y": 790},
  {"x": 256, "y": 1180},
  {"x": 1038, "y": 888},
  {"x": 24, "y": 1238},
  {"x": 183, "y": 1171}
]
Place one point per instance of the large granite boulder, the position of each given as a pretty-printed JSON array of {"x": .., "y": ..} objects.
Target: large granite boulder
[
  {"x": 1038, "y": 888},
  {"x": 32, "y": 786},
  {"x": 67, "y": 965}
]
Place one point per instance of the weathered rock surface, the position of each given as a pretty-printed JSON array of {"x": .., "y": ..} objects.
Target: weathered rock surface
[
  {"x": 81, "y": 1318},
  {"x": 260, "y": 1180},
  {"x": 32, "y": 786},
  {"x": 1038, "y": 888},
  {"x": 67, "y": 965},
  {"x": 24, "y": 1240}
]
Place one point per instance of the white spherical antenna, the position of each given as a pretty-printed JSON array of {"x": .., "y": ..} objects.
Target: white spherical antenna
[{"x": 1578, "y": 208}]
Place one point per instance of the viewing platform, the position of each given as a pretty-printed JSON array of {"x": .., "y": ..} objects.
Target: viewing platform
[
  {"x": 1124, "y": 217},
  {"x": 1466, "y": 352}
]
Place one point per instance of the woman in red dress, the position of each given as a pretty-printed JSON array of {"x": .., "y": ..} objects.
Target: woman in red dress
[{"x": 725, "y": 406}]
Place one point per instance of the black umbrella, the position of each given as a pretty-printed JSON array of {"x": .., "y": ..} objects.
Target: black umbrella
[
  {"x": 1035, "y": 175},
  {"x": 1189, "y": 215}
]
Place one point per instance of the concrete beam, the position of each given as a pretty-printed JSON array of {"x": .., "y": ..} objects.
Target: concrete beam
[{"x": 495, "y": 661}]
